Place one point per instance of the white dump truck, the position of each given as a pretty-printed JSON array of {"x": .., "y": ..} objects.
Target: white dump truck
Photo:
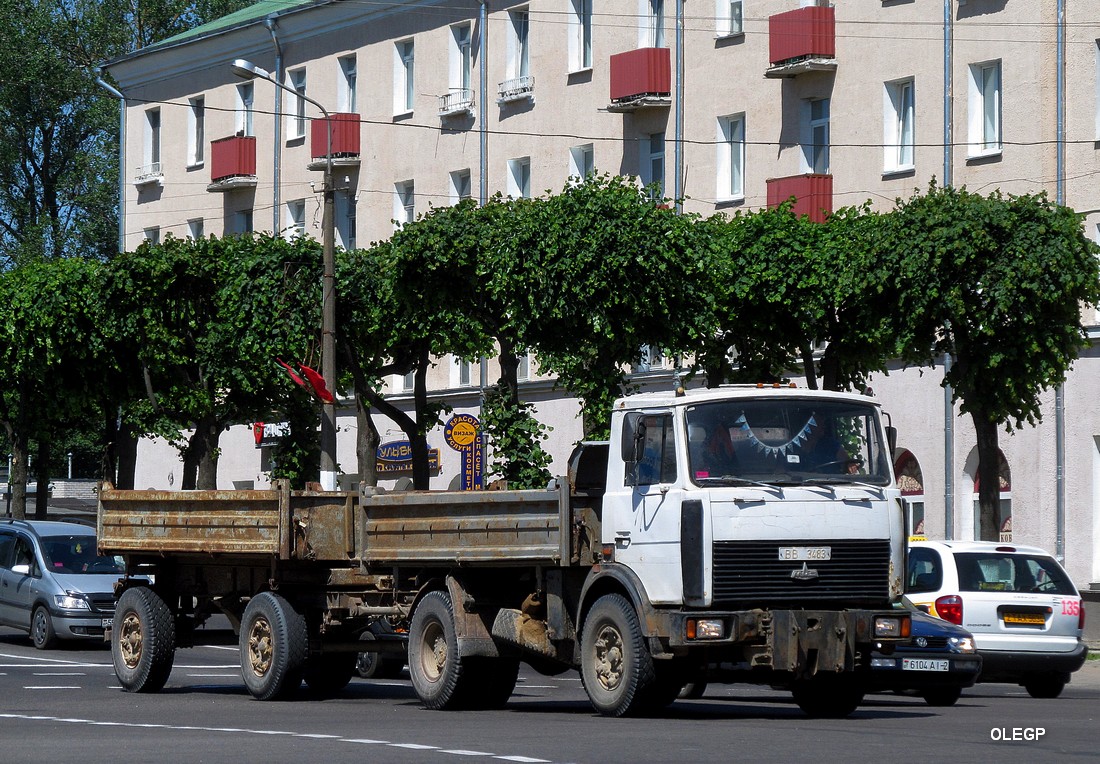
[{"x": 740, "y": 534}]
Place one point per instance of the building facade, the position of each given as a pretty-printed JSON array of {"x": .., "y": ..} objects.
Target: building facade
[{"x": 731, "y": 105}]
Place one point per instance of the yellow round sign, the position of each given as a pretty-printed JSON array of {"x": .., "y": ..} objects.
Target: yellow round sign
[{"x": 463, "y": 433}]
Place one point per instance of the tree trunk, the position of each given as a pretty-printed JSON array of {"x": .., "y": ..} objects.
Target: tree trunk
[
  {"x": 200, "y": 461},
  {"x": 808, "y": 366},
  {"x": 17, "y": 480},
  {"x": 418, "y": 440},
  {"x": 366, "y": 442},
  {"x": 126, "y": 448},
  {"x": 989, "y": 476}
]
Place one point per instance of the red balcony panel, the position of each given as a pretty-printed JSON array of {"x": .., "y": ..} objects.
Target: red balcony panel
[
  {"x": 641, "y": 72},
  {"x": 813, "y": 195},
  {"x": 803, "y": 32},
  {"x": 232, "y": 157},
  {"x": 345, "y": 136}
]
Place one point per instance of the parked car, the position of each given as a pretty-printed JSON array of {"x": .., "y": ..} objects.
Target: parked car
[
  {"x": 53, "y": 584},
  {"x": 938, "y": 662},
  {"x": 1026, "y": 615}
]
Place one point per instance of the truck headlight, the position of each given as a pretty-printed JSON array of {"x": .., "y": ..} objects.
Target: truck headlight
[
  {"x": 892, "y": 626},
  {"x": 705, "y": 628},
  {"x": 71, "y": 601}
]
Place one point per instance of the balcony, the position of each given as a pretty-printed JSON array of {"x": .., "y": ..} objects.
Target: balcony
[
  {"x": 516, "y": 89},
  {"x": 345, "y": 141},
  {"x": 802, "y": 40},
  {"x": 813, "y": 195},
  {"x": 640, "y": 79},
  {"x": 232, "y": 163},
  {"x": 149, "y": 175},
  {"x": 459, "y": 102}
]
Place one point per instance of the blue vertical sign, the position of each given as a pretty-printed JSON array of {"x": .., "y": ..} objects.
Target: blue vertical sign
[{"x": 461, "y": 434}]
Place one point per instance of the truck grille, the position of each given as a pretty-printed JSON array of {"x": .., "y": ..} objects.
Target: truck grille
[{"x": 751, "y": 572}]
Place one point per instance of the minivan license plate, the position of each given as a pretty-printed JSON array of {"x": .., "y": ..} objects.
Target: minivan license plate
[
  {"x": 108, "y": 622},
  {"x": 800, "y": 553},
  {"x": 923, "y": 664}
]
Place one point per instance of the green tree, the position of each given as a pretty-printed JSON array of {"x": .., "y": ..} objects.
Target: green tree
[{"x": 999, "y": 283}]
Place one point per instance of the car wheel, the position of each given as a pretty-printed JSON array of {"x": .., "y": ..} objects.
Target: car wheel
[
  {"x": 942, "y": 696},
  {"x": 42, "y": 633},
  {"x": 1045, "y": 687},
  {"x": 377, "y": 665}
]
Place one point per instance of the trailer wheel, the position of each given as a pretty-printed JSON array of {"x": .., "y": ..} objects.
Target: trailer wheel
[
  {"x": 435, "y": 669},
  {"x": 328, "y": 673},
  {"x": 143, "y": 640},
  {"x": 828, "y": 697},
  {"x": 274, "y": 646},
  {"x": 616, "y": 666}
]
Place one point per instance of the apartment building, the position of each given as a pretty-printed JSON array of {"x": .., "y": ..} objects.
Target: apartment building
[{"x": 731, "y": 105}]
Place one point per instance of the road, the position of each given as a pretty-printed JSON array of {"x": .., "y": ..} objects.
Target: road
[{"x": 65, "y": 705}]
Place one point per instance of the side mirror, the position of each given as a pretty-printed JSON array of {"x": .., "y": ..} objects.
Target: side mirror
[
  {"x": 892, "y": 439},
  {"x": 22, "y": 569}
]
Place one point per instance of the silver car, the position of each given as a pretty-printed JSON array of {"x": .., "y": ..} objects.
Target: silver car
[
  {"x": 53, "y": 584},
  {"x": 1026, "y": 615}
]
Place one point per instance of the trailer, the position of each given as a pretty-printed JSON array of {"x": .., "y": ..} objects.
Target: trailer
[{"x": 649, "y": 565}]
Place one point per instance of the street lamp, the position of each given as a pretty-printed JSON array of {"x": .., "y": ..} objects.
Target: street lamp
[{"x": 249, "y": 70}]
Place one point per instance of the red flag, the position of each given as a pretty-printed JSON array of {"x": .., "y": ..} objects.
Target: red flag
[
  {"x": 293, "y": 374},
  {"x": 317, "y": 382}
]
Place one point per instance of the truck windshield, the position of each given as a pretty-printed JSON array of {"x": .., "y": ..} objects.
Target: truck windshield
[{"x": 786, "y": 442}]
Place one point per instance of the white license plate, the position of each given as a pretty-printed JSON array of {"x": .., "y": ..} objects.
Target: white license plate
[
  {"x": 800, "y": 553},
  {"x": 924, "y": 664},
  {"x": 108, "y": 622}
]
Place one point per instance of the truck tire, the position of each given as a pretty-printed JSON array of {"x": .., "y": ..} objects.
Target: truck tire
[
  {"x": 828, "y": 697},
  {"x": 328, "y": 673},
  {"x": 274, "y": 646},
  {"x": 616, "y": 666},
  {"x": 490, "y": 681},
  {"x": 436, "y": 671},
  {"x": 143, "y": 640}
]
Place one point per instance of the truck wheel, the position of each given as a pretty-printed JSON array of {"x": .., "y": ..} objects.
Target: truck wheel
[
  {"x": 942, "y": 696},
  {"x": 328, "y": 673},
  {"x": 143, "y": 640},
  {"x": 42, "y": 634},
  {"x": 274, "y": 647},
  {"x": 616, "y": 665},
  {"x": 435, "y": 669},
  {"x": 1045, "y": 687},
  {"x": 827, "y": 697}
]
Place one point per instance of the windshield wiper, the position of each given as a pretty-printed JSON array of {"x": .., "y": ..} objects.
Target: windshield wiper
[{"x": 732, "y": 480}]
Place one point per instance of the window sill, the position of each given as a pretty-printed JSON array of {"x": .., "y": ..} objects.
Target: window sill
[
  {"x": 729, "y": 201},
  {"x": 295, "y": 140},
  {"x": 195, "y": 166},
  {"x": 898, "y": 172},
  {"x": 576, "y": 72},
  {"x": 723, "y": 36},
  {"x": 986, "y": 154},
  {"x": 403, "y": 114}
]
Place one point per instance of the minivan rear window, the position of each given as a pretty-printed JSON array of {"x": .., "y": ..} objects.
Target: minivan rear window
[{"x": 1000, "y": 572}]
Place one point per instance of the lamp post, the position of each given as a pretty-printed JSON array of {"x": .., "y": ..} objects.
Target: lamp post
[{"x": 248, "y": 70}]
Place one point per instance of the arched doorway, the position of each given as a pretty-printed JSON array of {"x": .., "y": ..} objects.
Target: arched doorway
[{"x": 911, "y": 482}]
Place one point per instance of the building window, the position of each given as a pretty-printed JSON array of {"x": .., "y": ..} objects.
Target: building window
[
  {"x": 242, "y": 222},
  {"x": 296, "y": 104},
  {"x": 462, "y": 374},
  {"x": 985, "y": 108},
  {"x": 460, "y": 185},
  {"x": 345, "y": 219},
  {"x": 295, "y": 219},
  {"x": 815, "y": 144},
  {"x": 581, "y": 161},
  {"x": 196, "y": 131},
  {"x": 898, "y": 126},
  {"x": 196, "y": 229},
  {"x": 462, "y": 57},
  {"x": 408, "y": 381},
  {"x": 523, "y": 368},
  {"x": 403, "y": 94},
  {"x": 519, "y": 52},
  {"x": 346, "y": 98},
  {"x": 911, "y": 483},
  {"x": 730, "y": 17},
  {"x": 404, "y": 203},
  {"x": 519, "y": 178},
  {"x": 152, "y": 143},
  {"x": 245, "y": 105},
  {"x": 152, "y": 235},
  {"x": 580, "y": 35},
  {"x": 653, "y": 164},
  {"x": 731, "y": 157},
  {"x": 651, "y": 33}
]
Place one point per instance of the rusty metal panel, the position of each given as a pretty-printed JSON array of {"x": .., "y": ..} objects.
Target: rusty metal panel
[
  {"x": 322, "y": 525},
  {"x": 461, "y": 527}
]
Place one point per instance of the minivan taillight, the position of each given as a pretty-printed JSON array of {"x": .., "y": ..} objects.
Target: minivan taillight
[
  {"x": 1081, "y": 615},
  {"x": 950, "y": 608}
]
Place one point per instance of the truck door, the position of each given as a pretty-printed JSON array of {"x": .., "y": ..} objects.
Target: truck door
[{"x": 651, "y": 546}]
